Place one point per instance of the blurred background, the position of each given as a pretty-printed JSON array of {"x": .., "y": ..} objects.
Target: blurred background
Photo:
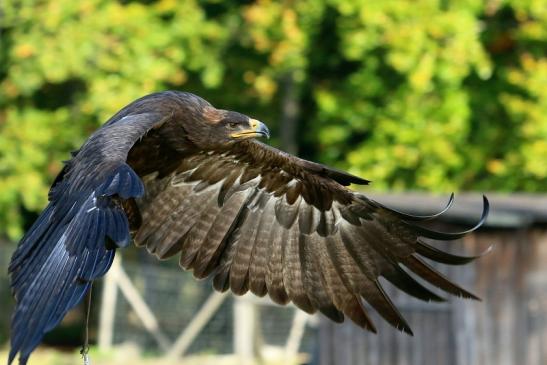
[{"x": 422, "y": 97}]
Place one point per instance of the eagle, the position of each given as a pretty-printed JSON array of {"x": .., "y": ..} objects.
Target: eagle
[{"x": 178, "y": 176}]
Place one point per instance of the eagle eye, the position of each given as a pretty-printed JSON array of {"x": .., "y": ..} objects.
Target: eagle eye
[{"x": 232, "y": 124}]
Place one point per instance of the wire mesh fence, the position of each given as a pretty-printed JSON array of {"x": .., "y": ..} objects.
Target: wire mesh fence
[{"x": 175, "y": 297}]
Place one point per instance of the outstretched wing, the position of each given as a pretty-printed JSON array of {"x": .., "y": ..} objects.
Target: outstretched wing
[
  {"x": 261, "y": 220},
  {"x": 67, "y": 248}
]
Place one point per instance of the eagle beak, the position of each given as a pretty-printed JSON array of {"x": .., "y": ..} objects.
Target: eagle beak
[{"x": 256, "y": 129}]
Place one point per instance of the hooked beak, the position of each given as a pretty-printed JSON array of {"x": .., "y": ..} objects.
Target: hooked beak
[{"x": 256, "y": 129}]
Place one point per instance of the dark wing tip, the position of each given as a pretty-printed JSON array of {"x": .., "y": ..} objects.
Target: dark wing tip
[
  {"x": 345, "y": 178},
  {"x": 358, "y": 180},
  {"x": 437, "y": 255},
  {"x": 407, "y": 330},
  {"x": 371, "y": 328},
  {"x": 472, "y": 296},
  {"x": 341, "y": 177},
  {"x": 332, "y": 313},
  {"x": 352, "y": 179},
  {"x": 418, "y": 218},
  {"x": 447, "y": 236},
  {"x": 429, "y": 274}
]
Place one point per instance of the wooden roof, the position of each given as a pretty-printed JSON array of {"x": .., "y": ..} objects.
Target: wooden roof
[{"x": 506, "y": 210}]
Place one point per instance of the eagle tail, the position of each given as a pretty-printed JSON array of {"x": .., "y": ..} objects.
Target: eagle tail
[{"x": 72, "y": 243}]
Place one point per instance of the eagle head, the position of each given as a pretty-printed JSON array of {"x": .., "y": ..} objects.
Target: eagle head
[
  {"x": 228, "y": 127},
  {"x": 193, "y": 119}
]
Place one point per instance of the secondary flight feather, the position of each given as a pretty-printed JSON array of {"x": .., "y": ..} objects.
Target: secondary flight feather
[{"x": 176, "y": 175}]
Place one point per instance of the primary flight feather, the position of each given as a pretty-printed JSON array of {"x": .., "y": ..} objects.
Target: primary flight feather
[{"x": 179, "y": 176}]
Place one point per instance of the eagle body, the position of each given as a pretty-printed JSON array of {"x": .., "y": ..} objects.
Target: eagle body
[{"x": 176, "y": 175}]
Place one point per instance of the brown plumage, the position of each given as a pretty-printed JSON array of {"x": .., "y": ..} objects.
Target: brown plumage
[{"x": 179, "y": 176}]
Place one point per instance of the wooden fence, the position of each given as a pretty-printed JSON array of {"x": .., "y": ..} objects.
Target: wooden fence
[{"x": 509, "y": 325}]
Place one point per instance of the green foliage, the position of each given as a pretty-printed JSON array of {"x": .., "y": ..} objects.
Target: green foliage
[{"x": 430, "y": 94}]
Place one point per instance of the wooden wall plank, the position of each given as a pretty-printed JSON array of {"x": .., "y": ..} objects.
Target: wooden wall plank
[{"x": 508, "y": 327}]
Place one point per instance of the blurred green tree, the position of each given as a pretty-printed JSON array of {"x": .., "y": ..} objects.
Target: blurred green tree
[{"x": 430, "y": 94}]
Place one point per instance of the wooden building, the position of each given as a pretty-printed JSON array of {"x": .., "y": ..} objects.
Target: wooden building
[{"x": 509, "y": 325}]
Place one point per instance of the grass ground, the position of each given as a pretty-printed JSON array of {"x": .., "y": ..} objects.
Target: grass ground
[{"x": 130, "y": 355}]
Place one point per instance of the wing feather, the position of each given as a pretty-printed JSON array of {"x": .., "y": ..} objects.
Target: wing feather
[
  {"x": 314, "y": 282},
  {"x": 239, "y": 270},
  {"x": 398, "y": 277},
  {"x": 437, "y": 255},
  {"x": 261, "y": 220},
  {"x": 222, "y": 277},
  {"x": 308, "y": 218},
  {"x": 259, "y": 256},
  {"x": 426, "y": 272},
  {"x": 357, "y": 282},
  {"x": 287, "y": 213},
  {"x": 201, "y": 223},
  {"x": 274, "y": 274},
  {"x": 212, "y": 247},
  {"x": 292, "y": 271},
  {"x": 349, "y": 303},
  {"x": 158, "y": 210}
]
